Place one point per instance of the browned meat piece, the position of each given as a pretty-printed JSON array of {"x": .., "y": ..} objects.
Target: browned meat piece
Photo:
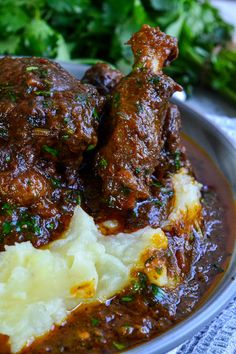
[
  {"x": 44, "y": 113},
  {"x": 137, "y": 115},
  {"x": 21, "y": 182},
  {"x": 103, "y": 77},
  {"x": 47, "y": 120},
  {"x": 45, "y": 105}
]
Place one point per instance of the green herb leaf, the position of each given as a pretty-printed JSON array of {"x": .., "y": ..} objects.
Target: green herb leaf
[
  {"x": 127, "y": 298},
  {"x": 158, "y": 293},
  {"x": 50, "y": 226},
  {"x": 140, "y": 283},
  {"x": 8, "y": 208},
  {"x": 118, "y": 346},
  {"x": 96, "y": 115},
  {"x": 52, "y": 151},
  {"x": 157, "y": 202},
  {"x": 159, "y": 270},
  {"x": 43, "y": 93},
  {"x": 177, "y": 160},
  {"x": 55, "y": 182},
  {"x": 32, "y": 68},
  {"x": 28, "y": 223},
  {"x": 139, "y": 66},
  {"x": 6, "y": 227},
  {"x": 157, "y": 184},
  {"x": 91, "y": 147},
  {"x": 95, "y": 322},
  {"x": 103, "y": 163}
]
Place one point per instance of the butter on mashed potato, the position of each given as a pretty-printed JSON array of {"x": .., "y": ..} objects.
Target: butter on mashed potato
[{"x": 39, "y": 287}]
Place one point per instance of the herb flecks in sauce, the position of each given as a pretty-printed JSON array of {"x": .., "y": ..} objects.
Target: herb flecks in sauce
[{"x": 134, "y": 316}]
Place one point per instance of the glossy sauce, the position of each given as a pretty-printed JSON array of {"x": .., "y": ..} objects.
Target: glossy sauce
[{"x": 117, "y": 325}]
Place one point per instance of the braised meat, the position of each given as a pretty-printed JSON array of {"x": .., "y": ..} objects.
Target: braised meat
[
  {"x": 45, "y": 105},
  {"x": 103, "y": 77},
  {"x": 45, "y": 113},
  {"x": 101, "y": 142},
  {"x": 48, "y": 119},
  {"x": 137, "y": 117}
]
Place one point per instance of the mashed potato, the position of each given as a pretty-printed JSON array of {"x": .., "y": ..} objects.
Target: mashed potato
[
  {"x": 186, "y": 209},
  {"x": 39, "y": 287}
]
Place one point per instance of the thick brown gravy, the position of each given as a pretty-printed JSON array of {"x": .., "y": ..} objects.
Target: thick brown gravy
[{"x": 141, "y": 312}]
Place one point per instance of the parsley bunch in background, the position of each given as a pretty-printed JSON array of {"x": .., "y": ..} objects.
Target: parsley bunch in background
[{"x": 97, "y": 29}]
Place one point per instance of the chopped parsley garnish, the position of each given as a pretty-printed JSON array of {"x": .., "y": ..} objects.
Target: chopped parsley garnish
[
  {"x": 157, "y": 292},
  {"x": 50, "y": 226},
  {"x": 29, "y": 182},
  {"x": 156, "y": 184},
  {"x": 43, "y": 93},
  {"x": 103, "y": 163},
  {"x": 55, "y": 182},
  {"x": 141, "y": 282},
  {"x": 177, "y": 160},
  {"x": 139, "y": 66},
  {"x": 65, "y": 137},
  {"x": 40, "y": 71},
  {"x": 7, "y": 208},
  {"x": 12, "y": 96},
  {"x": 158, "y": 202},
  {"x": 127, "y": 298},
  {"x": 28, "y": 223},
  {"x": 158, "y": 270},
  {"x": 50, "y": 150},
  {"x": 70, "y": 131},
  {"x": 95, "y": 322},
  {"x": 95, "y": 115},
  {"x": 118, "y": 346},
  {"x": 90, "y": 147},
  {"x": 32, "y": 68},
  {"x": 78, "y": 199},
  {"x": 137, "y": 170},
  {"x": 6, "y": 227}
]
